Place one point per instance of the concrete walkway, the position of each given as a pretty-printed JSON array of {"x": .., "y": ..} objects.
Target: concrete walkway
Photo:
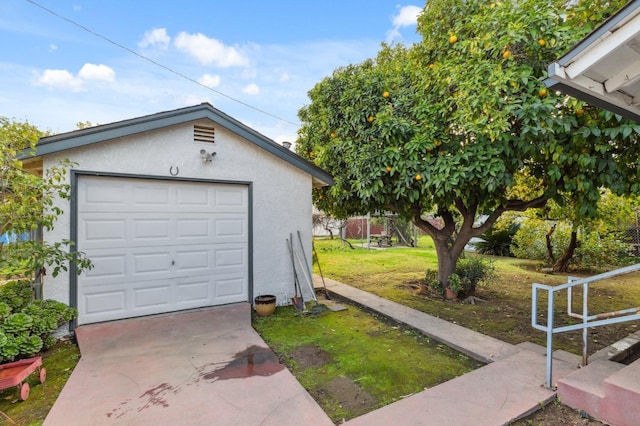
[
  {"x": 509, "y": 387},
  {"x": 202, "y": 367},
  {"x": 183, "y": 368}
]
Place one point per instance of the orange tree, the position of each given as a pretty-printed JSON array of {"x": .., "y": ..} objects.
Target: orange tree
[{"x": 448, "y": 126}]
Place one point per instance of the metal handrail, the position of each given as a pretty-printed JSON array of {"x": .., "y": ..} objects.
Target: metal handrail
[{"x": 588, "y": 321}]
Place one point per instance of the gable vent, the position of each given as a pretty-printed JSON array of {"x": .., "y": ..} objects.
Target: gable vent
[{"x": 204, "y": 134}]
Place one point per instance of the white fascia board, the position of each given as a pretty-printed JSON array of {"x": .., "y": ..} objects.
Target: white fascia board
[{"x": 607, "y": 44}]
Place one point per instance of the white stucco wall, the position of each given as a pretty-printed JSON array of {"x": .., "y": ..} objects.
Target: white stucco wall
[{"x": 281, "y": 194}]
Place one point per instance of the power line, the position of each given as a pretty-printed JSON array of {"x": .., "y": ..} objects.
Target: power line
[{"x": 156, "y": 63}]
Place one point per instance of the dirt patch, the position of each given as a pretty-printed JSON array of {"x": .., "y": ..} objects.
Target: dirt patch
[
  {"x": 556, "y": 414},
  {"x": 348, "y": 395},
  {"x": 342, "y": 394},
  {"x": 309, "y": 356}
]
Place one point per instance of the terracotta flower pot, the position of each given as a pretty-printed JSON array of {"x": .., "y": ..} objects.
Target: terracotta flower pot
[
  {"x": 265, "y": 304},
  {"x": 450, "y": 294}
]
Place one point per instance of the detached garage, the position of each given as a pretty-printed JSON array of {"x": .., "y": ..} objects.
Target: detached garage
[{"x": 178, "y": 210}]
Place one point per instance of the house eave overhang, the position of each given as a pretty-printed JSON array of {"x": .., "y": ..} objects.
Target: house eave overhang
[
  {"x": 603, "y": 69},
  {"x": 84, "y": 137}
]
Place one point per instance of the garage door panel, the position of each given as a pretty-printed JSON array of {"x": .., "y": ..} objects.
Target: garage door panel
[
  {"x": 151, "y": 229},
  {"x": 102, "y": 305},
  {"x": 195, "y": 291},
  {"x": 145, "y": 263},
  {"x": 230, "y": 288},
  {"x": 150, "y": 194},
  {"x": 102, "y": 194},
  {"x": 160, "y": 246},
  {"x": 106, "y": 267},
  {"x": 156, "y": 296},
  {"x": 227, "y": 259},
  {"x": 194, "y": 197},
  {"x": 231, "y": 199},
  {"x": 100, "y": 230},
  {"x": 193, "y": 260},
  {"x": 107, "y": 230}
]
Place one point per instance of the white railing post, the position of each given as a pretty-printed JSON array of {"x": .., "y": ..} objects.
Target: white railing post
[
  {"x": 549, "y": 338},
  {"x": 585, "y": 320}
]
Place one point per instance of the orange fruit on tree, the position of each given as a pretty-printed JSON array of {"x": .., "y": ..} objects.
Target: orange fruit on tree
[
  {"x": 370, "y": 119},
  {"x": 506, "y": 54},
  {"x": 579, "y": 112},
  {"x": 542, "y": 42},
  {"x": 453, "y": 39},
  {"x": 334, "y": 135},
  {"x": 388, "y": 168},
  {"x": 542, "y": 92},
  {"x": 431, "y": 66},
  {"x": 385, "y": 94},
  {"x": 418, "y": 177},
  {"x": 437, "y": 143}
]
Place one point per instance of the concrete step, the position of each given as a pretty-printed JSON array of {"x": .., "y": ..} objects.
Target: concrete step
[
  {"x": 606, "y": 390},
  {"x": 558, "y": 354},
  {"x": 622, "y": 396}
]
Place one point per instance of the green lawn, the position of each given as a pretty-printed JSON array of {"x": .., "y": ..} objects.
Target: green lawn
[{"x": 395, "y": 273}]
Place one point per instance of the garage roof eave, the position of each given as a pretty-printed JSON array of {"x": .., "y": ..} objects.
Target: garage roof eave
[
  {"x": 79, "y": 138},
  {"x": 604, "y": 67},
  {"x": 555, "y": 82}
]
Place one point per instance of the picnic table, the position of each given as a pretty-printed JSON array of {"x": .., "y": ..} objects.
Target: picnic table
[{"x": 381, "y": 239}]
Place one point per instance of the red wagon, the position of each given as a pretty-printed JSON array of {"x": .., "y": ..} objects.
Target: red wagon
[{"x": 14, "y": 373}]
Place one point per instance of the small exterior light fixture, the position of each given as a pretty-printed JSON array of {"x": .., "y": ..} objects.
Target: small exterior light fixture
[
  {"x": 286, "y": 144},
  {"x": 206, "y": 157}
]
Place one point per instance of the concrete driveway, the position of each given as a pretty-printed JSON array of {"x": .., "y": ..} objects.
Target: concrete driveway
[{"x": 200, "y": 367}]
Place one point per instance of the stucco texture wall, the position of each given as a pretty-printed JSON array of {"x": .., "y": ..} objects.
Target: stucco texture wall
[{"x": 281, "y": 194}]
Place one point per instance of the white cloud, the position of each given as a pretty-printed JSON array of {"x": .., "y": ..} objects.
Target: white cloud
[
  {"x": 407, "y": 16},
  {"x": 65, "y": 80},
  {"x": 53, "y": 47},
  {"x": 97, "y": 73},
  {"x": 210, "y": 80},
  {"x": 58, "y": 79},
  {"x": 284, "y": 77},
  {"x": 157, "y": 38},
  {"x": 251, "y": 89},
  {"x": 209, "y": 51}
]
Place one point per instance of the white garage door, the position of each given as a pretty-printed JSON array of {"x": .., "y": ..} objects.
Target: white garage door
[{"x": 160, "y": 246}]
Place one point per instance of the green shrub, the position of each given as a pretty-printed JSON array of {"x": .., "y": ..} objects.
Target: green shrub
[
  {"x": 470, "y": 273},
  {"x": 26, "y": 326},
  {"x": 431, "y": 281},
  {"x": 473, "y": 271},
  {"x": 16, "y": 294},
  {"x": 17, "y": 323},
  {"x": 497, "y": 242},
  {"x": 594, "y": 251}
]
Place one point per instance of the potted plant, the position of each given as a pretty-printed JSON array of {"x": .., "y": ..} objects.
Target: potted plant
[{"x": 265, "y": 304}]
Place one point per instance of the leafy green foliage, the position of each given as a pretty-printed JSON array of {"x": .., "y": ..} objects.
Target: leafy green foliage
[
  {"x": 474, "y": 271},
  {"x": 28, "y": 203},
  {"x": 596, "y": 250},
  {"x": 432, "y": 282},
  {"x": 16, "y": 295},
  {"x": 470, "y": 272},
  {"x": 450, "y": 125},
  {"x": 497, "y": 242},
  {"x": 29, "y": 324}
]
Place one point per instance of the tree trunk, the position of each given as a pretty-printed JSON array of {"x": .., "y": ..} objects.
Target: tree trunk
[
  {"x": 552, "y": 258},
  {"x": 446, "y": 267},
  {"x": 562, "y": 264}
]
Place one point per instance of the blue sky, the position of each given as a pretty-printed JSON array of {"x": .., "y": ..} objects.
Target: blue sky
[{"x": 266, "y": 54}]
